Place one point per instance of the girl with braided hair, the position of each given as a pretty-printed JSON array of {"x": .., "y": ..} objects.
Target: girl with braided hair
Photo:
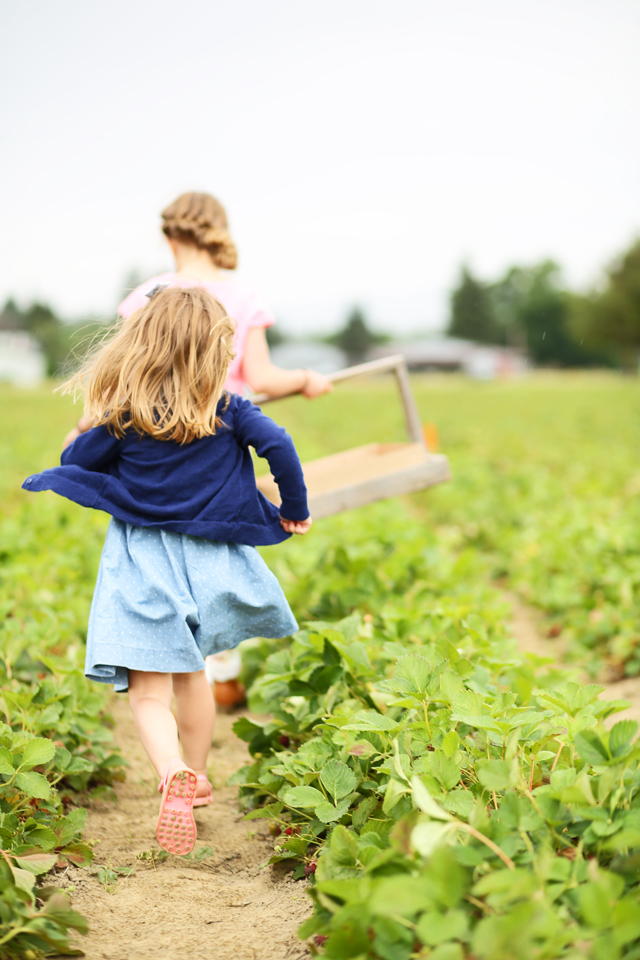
[{"x": 205, "y": 255}]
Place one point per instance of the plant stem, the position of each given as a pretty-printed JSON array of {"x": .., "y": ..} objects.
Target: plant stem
[
  {"x": 488, "y": 843},
  {"x": 557, "y": 757}
]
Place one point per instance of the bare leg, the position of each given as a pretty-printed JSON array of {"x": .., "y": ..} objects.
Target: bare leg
[
  {"x": 196, "y": 712},
  {"x": 150, "y": 699}
]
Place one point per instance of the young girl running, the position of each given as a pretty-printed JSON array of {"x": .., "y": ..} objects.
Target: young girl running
[{"x": 179, "y": 577}]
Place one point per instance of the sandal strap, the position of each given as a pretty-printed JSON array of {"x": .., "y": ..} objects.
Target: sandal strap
[{"x": 165, "y": 779}]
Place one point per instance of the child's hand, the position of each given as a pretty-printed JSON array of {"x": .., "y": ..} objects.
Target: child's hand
[
  {"x": 316, "y": 384},
  {"x": 296, "y": 526}
]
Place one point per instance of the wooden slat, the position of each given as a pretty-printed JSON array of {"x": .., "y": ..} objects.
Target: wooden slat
[{"x": 363, "y": 475}]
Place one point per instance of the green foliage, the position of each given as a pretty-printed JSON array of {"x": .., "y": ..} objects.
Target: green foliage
[
  {"x": 611, "y": 316},
  {"x": 529, "y": 309},
  {"x": 55, "y": 745},
  {"x": 57, "y": 339},
  {"x": 355, "y": 338},
  {"x": 472, "y": 313},
  {"x": 534, "y": 312},
  {"x": 449, "y": 810},
  {"x": 446, "y": 797}
]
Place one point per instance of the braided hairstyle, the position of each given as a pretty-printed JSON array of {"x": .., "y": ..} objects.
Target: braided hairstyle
[{"x": 200, "y": 220}]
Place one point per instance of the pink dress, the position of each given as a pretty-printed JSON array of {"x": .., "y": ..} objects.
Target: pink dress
[{"x": 241, "y": 303}]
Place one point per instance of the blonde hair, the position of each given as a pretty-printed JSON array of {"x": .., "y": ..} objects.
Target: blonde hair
[
  {"x": 200, "y": 220},
  {"x": 162, "y": 371}
]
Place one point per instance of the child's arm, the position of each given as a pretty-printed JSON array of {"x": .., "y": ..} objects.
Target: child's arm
[
  {"x": 264, "y": 377},
  {"x": 254, "y": 429},
  {"x": 92, "y": 449}
]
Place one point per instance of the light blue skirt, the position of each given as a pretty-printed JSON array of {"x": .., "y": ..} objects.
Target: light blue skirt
[{"x": 164, "y": 601}]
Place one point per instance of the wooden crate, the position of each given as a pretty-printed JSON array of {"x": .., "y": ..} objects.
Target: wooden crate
[{"x": 353, "y": 478}]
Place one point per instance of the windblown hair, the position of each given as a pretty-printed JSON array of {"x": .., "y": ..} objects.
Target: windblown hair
[
  {"x": 162, "y": 371},
  {"x": 200, "y": 220}
]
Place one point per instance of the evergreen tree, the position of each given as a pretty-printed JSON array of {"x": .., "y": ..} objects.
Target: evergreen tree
[
  {"x": 355, "y": 339},
  {"x": 610, "y": 319},
  {"x": 472, "y": 311},
  {"x": 534, "y": 311},
  {"x": 11, "y": 317}
]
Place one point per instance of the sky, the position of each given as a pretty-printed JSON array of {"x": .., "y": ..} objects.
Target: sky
[{"x": 363, "y": 150}]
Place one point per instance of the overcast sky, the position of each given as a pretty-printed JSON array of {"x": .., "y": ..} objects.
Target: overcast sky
[{"x": 363, "y": 149}]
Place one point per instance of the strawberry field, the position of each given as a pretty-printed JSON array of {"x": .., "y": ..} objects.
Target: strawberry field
[{"x": 445, "y": 796}]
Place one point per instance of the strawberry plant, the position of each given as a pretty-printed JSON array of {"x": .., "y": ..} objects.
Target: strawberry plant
[{"x": 55, "y": 745}]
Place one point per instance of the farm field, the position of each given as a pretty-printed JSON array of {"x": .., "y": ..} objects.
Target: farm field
[{"x": 440, "y": 795}]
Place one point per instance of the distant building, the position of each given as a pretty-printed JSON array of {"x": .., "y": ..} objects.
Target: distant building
[
  {"x": 478, "y": 360},
  {"x": 308, "y": 353},
  {"x": 22, "y": 362}
]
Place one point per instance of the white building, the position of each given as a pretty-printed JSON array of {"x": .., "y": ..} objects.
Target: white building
[
  {"x": 477, "y": 360},
  {"x": 22, "y": 362}
]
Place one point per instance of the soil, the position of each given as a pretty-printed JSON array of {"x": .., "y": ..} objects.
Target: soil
[
  {"x": 526, "y": 625},
  {"x": 227, "y": 907}
]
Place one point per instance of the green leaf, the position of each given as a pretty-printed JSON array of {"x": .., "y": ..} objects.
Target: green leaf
[
  {"x": 34, "y": 785},
  {"x": 200, "y": 854},
  {"x": 7, "y": 763},
  {"x": 364, "y": 810},
  {"x": 401, "y": 896},
  {"x": 371, "y": 720},
  {"x": 445, "y": 770},
  {"x": 338, "y": 779},
  {"x": 42, "y": 837},
  {"x": 304, "y": 797},
  {"x": 78, "y": 854},
  {"x": 416, "y": 671},
  {"x": 434, "y": 928},
  {"x": 426, "y": 836},
  {"x": 24, "y": 879},
  {"x": 328, "y": 813},
  {"x": 425, "y": 801},
  {"x": 37, "y": 863},
  {"x": 621, "y": 735},
  {"x": 246, "y": 729},
  {"x": 37, "y": 751},
  {"x": 591, "y": 748},
  {"x": 344, "y": 846},
  {"x": 494, "y": 774},
  {"x": 270, "y": 811},
  {"x": 394, "y": 792}
]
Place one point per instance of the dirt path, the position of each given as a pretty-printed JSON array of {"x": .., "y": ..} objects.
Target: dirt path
[
  {"x": 225, "y": 908},
  {"x": 526, "y": 624}
]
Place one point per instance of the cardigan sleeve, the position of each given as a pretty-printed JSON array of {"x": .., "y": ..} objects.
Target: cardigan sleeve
[
  {"x": 254, "y": 429},
  {"x": 92, "y": 450}
]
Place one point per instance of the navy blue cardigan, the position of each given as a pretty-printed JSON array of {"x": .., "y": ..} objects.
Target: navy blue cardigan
[{"x": 206, "y": 488}]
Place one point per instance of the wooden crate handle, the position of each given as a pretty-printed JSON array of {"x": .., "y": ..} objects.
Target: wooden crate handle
[{"x": 396, "y": 363}]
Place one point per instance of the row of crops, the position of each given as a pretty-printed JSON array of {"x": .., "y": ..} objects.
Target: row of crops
[
  {"x": 446, "y": 798},
  {"x": 56, "y": 751},
  {"x": 546, "y": 487}
]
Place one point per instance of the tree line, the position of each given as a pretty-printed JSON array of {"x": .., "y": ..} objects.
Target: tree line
[{"x": 529, "y": 308}]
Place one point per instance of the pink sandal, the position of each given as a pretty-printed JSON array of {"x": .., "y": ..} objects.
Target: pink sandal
[
  {"x": 208, "y": 797},
  {"x": 176, "y": 830}
]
